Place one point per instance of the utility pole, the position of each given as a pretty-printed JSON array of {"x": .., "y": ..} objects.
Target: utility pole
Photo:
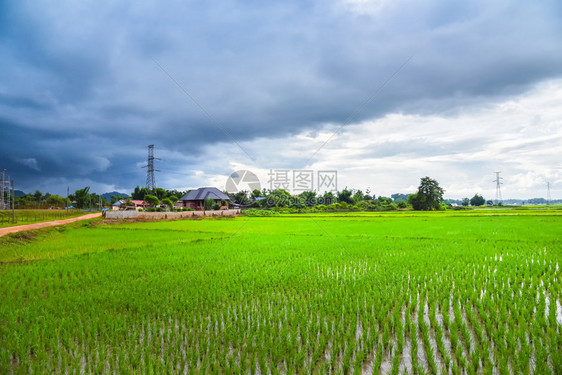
[
  {"x": 150, "y": 181},
  {"x": 498, "y": 187},
  {"x": 548, "y": 199}
]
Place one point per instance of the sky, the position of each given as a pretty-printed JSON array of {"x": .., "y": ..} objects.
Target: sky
[{"x": 382, "y": 92}]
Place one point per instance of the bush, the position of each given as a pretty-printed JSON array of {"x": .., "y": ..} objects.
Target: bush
[{"x": 254, "y": 212}]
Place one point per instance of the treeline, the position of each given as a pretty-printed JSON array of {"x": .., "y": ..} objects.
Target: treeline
[
  {"x": 429, "y": 196},
  {"x": 342, "y": 200},
  {"x": 84, "y": 199},
  {"x": 81, "y": 198}
]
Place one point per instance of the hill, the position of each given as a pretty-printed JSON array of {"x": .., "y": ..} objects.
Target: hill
[{"x": 114, "y": 193}]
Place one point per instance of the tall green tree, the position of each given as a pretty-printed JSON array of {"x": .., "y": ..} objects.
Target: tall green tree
[
  {"x": 139, "y": 193},
  {"x": 82, "y": 197},
  {"x": 429, "y": 195},
  {"x": 477, "y": 200},
  {"x": 345, "y": 196},
  {"x": 328, "y": 198},
  {"x": 309, "y": 198}
]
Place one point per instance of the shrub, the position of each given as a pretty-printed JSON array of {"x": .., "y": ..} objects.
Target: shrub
[{"x": 254, "y": 212}]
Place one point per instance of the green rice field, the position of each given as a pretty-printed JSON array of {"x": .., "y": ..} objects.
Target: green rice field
[{"x": 356, "y": 293}]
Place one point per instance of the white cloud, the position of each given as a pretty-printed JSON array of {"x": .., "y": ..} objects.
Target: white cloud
[
  {"x": 30, "y": 163},
  {"x": 520, "y": 137}
]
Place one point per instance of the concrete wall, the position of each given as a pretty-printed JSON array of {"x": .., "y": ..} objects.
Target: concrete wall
[
  {"x": 169, "y": 215},
  {"x": 120, "y": 214}
]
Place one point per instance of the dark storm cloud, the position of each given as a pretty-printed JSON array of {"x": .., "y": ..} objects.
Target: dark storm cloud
[{"x": 81, "y": 95}]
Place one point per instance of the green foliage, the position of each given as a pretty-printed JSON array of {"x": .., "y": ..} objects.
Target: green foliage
[
  {"x": 152, "y": 200},
  {"x": 345, "y": 196},
  {"x": 240, "y": 198},
  {"x": 477, "y": 200},
  {"x": 208, "y": 204},
  {"x": 397, "y": 198},
  {"x": 168, "y": 202},
  {"x": 259, "y": 213},
  {"x": 139, "y": 193},
  {"x": 428, "y": 197},
  {"x": 82, "y": 197}
]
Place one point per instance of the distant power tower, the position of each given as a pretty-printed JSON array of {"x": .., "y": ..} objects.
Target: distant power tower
[
  {"x": 498, "y": 182},
  {"x": 150, "y": 181},
  {"x": 5, "y": 197},
  {"x": 548, "y": 199}
]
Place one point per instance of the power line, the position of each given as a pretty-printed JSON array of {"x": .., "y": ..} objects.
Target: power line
[{"x": 498, "y": 187}]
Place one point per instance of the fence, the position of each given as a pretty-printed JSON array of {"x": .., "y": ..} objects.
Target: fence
[{"x": 31, "y": 217}]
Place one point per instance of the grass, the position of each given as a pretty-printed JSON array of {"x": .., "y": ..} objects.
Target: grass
[
  {"x": 22, "y": 217},
  {"x": 352, "y": 293}
]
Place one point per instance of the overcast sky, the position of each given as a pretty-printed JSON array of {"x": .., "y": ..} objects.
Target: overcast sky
[{"x": 384, "y": 92}]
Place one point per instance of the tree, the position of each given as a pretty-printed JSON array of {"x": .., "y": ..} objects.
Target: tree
[
  {"x": 328, "y": 198},
  {"x": 38, "y": 196},
  {"x": 55, "y": 200},
  {"x": 397, "y": 197},
  {"x": 465, "y": 202},
  {"x": 345, "y": 196},
  {"x": 168, "y": 202},
  {"x": 358, "y": 196},
  {"x": 240, "y": 197},
  {"x": 208, "y": 204},
  {"x": 477, "y": 200},
  {"x": 429, "y": 195},
  {"x": 256, "y": 194},
  {"x": 82, "y": 197},
  {"x": 160, "y": 193},
  {"x": 309, "y": 198},
  {"x": 139, "y": 193},
  {"x": 152, "y": 200}
]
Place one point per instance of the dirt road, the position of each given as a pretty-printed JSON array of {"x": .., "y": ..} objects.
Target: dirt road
[{"x": 19, "y": 228}]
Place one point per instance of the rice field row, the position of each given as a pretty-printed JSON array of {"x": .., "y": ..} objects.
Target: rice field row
[{"x": 287, "y": 295}]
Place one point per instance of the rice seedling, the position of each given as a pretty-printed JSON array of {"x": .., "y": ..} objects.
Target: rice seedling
[{"x": 276, "y": 295}]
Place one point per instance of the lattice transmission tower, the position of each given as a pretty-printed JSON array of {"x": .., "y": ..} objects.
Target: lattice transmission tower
[
  {"x": 5, "y": 196},
  {"x": 498, "y": 187},
  {"x": 548, "y": 198},
  {"x": 150, "y": 181}
]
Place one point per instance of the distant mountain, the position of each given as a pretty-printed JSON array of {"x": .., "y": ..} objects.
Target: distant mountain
[
  {"x": 18, "y": 193},
  {"x": 114, "y": 193}
]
